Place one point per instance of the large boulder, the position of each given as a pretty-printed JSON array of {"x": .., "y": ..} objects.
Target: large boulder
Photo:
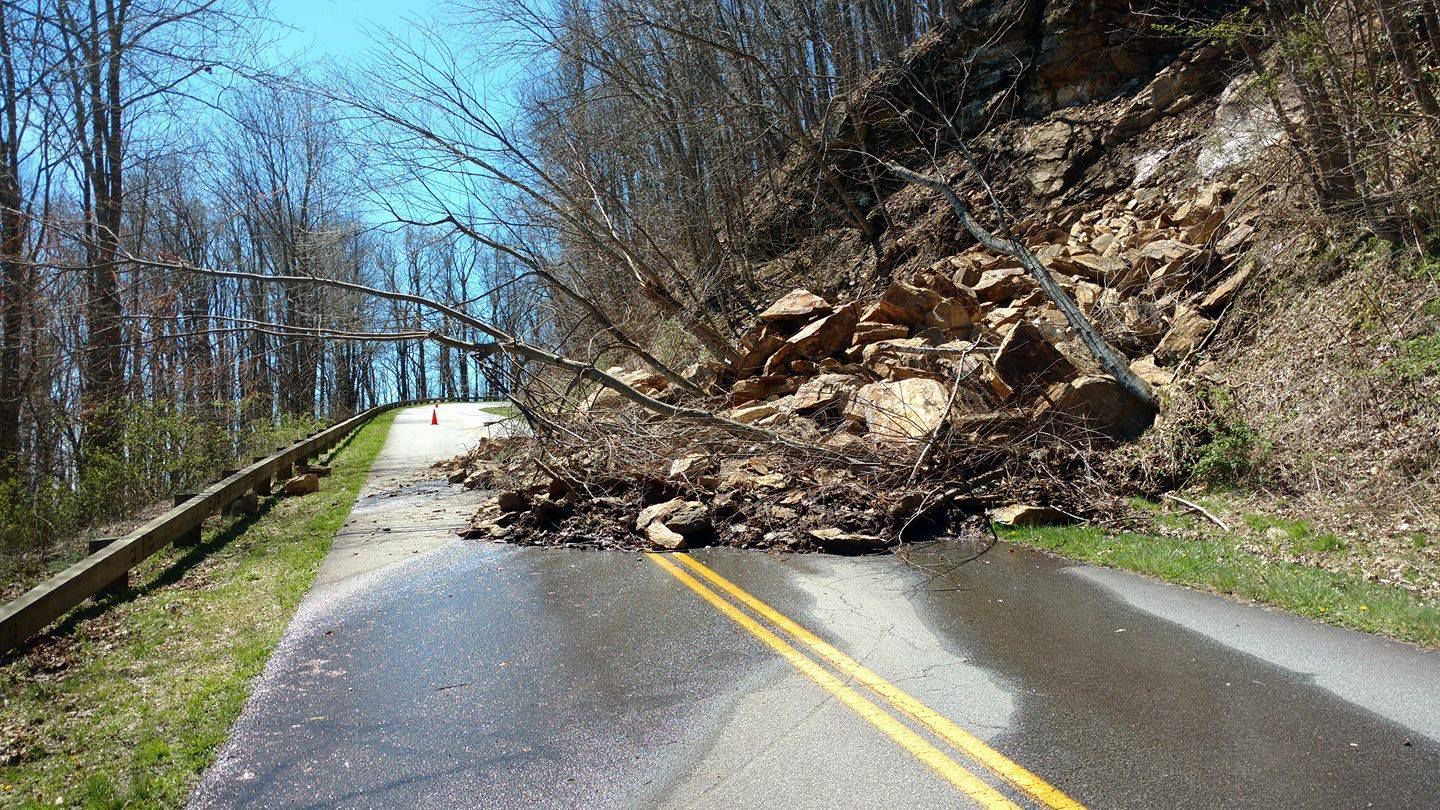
[
  {"x": 1027, "y": 359},
  {"x": 1001, "y": 284},
  {"x": 901, "y": 410},
  {"x": 688, "y": 518},
  {"x": 1025, "y": 514},
  {"x": 796, "y": 305},
  {"x": 827, "y": 336},
  {"x": 662, "y": 536},
  {"x": 1100, "y": 403},
  {"x": 954, "y": 312},
  {"x": 761, "y": 349}
]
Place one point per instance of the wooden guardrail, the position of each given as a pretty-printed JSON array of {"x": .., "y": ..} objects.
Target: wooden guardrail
[{"x": 33, "y": 611}]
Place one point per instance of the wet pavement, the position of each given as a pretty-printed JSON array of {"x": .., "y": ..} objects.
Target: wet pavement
[{"x": 467, "y": 674}]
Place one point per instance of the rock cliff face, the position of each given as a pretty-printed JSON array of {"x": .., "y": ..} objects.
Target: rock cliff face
[{"x": 1000, "y": 66}]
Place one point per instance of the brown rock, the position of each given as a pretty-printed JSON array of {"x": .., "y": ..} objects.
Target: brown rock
[
  {"x": 746, "y": 414},
  {"x": 1221, "y": 295},
  {"x": 1024, "y": 514},
  {"x": 839, "y": 541},
  {"x": 796, "y": 305},
  {"x": 688, "y": 466},
  {"x": 820, "y": 339},
  {"x": 692, "y": 519},
  {"x": 318, "y": 469},
  {"x": 902, "y": 409},
  {"x": 1000, "y": 284},
  {"x": 1234, "y": 239},
  {"x": 1101, "y": 404},
  {"x": 954, "y": 312},
  {"x": 1187, "y": 329},
  {"x": 765, "y": 346},
  {"x": 662, "y": 537},
  {"x": 457, "y": 476},
  {"x": 1145, "y": 369},
  {"x": 678, "y": 515},
  {"x": 867, "y": 332},
  {"x": 658, "y": 511},
  {"x": 247, "y": 504},
  {"x": 762, "y": 387},
  {"x": 873, "y": 351},
  {"x": 643, "y": 380},
  {"x": 1027, "y": 359},
  {"x": 549, "y": 510},
  {"x": 302, "y": 484},
  {"x": 1109, "y": 271},
  {"x": 824, "y": 391},
  {"x": 902, "y": 304}
]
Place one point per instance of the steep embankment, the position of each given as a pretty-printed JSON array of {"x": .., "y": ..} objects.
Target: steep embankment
[{"x": 917, "y": 379}]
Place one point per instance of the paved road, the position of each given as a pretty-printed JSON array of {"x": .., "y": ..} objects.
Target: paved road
[{"x": 470, "y": 674}]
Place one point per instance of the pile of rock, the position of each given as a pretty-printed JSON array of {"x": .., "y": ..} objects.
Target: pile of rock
[
  {"x": 759, "y": 501},
  {"x": 968, "y": 350},
  {"x": 973, "y": 335}
]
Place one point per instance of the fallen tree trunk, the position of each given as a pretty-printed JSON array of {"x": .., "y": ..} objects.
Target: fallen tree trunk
[{"x": 505, "y": 342}]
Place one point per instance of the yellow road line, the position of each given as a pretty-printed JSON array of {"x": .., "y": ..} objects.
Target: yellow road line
[
  {"x": 942, "y": 726},
  {"x": 916, "y": 745}
]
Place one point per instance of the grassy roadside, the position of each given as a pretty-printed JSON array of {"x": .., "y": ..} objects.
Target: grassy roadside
[
  {"x": 126, "y": 706},
  {"x": 507, "y": 410},
  {"x": 1190, "y": 555}
]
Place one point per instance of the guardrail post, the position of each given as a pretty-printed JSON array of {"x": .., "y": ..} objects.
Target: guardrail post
[
  {"x": 122, "y": 582},
  {"x": 191, "y": 537},
  {"x": 264, "y": 485}
]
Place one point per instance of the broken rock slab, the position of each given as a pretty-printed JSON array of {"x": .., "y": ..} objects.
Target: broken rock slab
[
  {"x": 302, "y": 484},
  {"x": 1028, "y": 515},
  {"x": 688, "y": 518},
  {"x": 1027, "y": 359},
  {"x": 1187, "y": 329},
  {"x": 838, "y": 541},
  {"x": 902, "y": 304},
  {"x": 662, "y": 537},
  {"x": 797, "y": 305}
]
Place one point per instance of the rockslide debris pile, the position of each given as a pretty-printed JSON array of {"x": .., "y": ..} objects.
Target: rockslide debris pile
[{"x": 912, "y": 400}]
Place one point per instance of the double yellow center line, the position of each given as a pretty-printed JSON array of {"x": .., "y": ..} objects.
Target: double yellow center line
[{"x": 942, "y": 727}]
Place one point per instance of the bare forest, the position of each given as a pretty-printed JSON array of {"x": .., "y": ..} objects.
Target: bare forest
[{"x": 562, "y": 203}]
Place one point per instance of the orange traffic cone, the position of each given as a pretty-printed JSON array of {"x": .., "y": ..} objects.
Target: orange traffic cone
[{"x": 435, "y": 415}]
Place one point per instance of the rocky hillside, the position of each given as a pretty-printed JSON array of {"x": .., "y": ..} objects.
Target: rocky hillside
[{"x": 1148, "y": 176}]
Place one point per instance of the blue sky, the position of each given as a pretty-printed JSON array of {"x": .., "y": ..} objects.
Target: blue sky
[{"x": 335, "y": 29}]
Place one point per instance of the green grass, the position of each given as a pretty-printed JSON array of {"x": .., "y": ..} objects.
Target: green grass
[
  {"x": 128, "y": 702},
  {"x": 1217, "y": 565},
  {"x": 507, "y": 410},
  {"x": 1415, "y": 359}
]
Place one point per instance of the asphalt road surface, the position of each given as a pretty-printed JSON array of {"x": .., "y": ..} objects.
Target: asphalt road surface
[{"x": 425, "y": 671}]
